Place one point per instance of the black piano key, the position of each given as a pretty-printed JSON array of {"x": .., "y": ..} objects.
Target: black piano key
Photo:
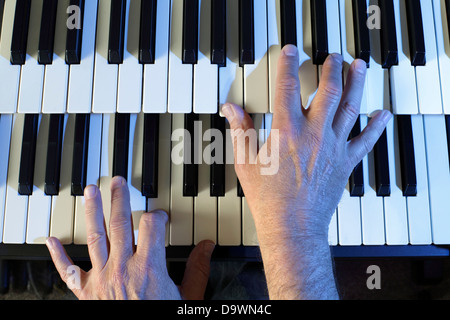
[
  {"x": 117, "y": 31},
  {"x": 147, "y": 32},
  {"x": 75, "y": 37},
  {"x": 190, "y": 168},
  {"x": 356, "y": 180},
  {"x": 447, "y": 125},
  {"x": 415, "y": 33},
  {"x": 288, "y": 22},
  {"x": 27, "y": 158},
  {"x": 319, "y": 31},
  {"x": 218, "y": 32},
  {"x": 217, "y": 173},
  {"x": 20, "y": 32},
  {"x": 54, "y": 148},
  {"x": 362, "y": 39},
  {"x": 389, "y": 49},
  {"x": 407, "y": 157},
  {"x": 121, "y": 144},
  {"x": 150, "y": 156},
  {"x": 240, "y": 191},
  {"x": 2, "y": 6},
  {"x": 447, "y": 7},
  {"x": 47, "y": 33},
  {"x": 190, "y": 32},
  {"x": 246, "y": 32},
  {"x": 80, "y": 154},
  {"x": 382, "y": 179}
]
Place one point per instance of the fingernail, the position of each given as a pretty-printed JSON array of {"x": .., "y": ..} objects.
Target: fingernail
[
  {"x": 209, "y": 247},
  {"x": 118, "y": 182},
  {"x": 290, "y": 50},
  {"x": 227, "y": 111},
  {"x": 50, "y": 244},
  {"x": 90, "y": 192},
  {"x": 387, "y": 116}
]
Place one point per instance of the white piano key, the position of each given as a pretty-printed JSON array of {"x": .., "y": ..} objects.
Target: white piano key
[
  {"x": 57, "y": 74},
  {"x": 256, "y": 76},
  {"x": 428, "y": 85},
  {"x": 99, "y": 149},
  {"x": 104, "y": 98},
  {"x": 231, "y": 86},
  {"x": 206, "y": 84},
  {"x": 229, "y": 206},
  {"x": 349, "y": 220},
  {"x": 16, "y": 208},
  {"x": 10, "y": 74},
  {"x": 403, "y": 77},
  {"x": 32, "y": 75},
  {"x": 180, "y": 75},
  {"x": 136, "y": 142},
  {"x": 274, "y": 45},
  {"x": 81, "y": 76},
  {"x": 63, "y": 205},
  {"x": 155, "y": 75},
  {"x": 443, "y": 50},
  {"x": 205, "y": 206},
  {"x": 372, "y": 209},
  {"x": 395, "y": 214},
  {"x": 418, "y": 206},
  {"x": 438, "y": 176},
  {"x": 348, "y": 45},
  {"x": 39, "y": 204},
  {"x": 5, "y": 133},
  {"x": 333, "y": 26},
  {"x": 332, "y": 230},
  {"x": 181, "y": 208},
  {"x": 164, "y": 149},
  {"x": 129, "y": 97}
]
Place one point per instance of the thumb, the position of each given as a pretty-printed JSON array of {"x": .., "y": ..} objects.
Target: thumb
[{"x": 197, "y": 271}]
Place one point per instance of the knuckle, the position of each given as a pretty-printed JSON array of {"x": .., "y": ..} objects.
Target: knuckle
[
  {"x": 154, "y": 218},
  {"x": 352, "y": 109},
  {"x": 95, "y": 237},
  {"x": 119, "y": 222},
  {"x": 289, "y": 83},
  {"x": 332, "y": 92}
]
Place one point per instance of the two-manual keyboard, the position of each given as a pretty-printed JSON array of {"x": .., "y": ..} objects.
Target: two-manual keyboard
[{"x": 81, "y": 105}]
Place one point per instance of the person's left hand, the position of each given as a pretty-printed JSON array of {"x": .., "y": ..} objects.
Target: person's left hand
[{"x": 121, "y": 270}]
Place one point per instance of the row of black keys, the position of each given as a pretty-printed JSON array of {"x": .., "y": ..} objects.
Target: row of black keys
[
  {"x": 218, "y": 31},
  {"x": 149, "y": 185},
  {"x": 381, "y": 162}
]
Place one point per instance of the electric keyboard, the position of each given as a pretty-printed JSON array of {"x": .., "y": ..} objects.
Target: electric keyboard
[{"x": 83, "y": 100}]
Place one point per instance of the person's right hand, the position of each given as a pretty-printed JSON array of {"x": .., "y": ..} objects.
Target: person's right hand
[{"x": 315, "y": 157}]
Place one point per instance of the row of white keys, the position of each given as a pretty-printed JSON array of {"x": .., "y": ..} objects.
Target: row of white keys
[
  {"x": 205, "y": 206},
  {"x": 99, "y": 146},
  {"x": 372, "y": 208},
  {"x": 231, "y": 86},
  {"x": 136, "y": 141},
  {"x": 348, "y": 45},
  {"x": 39, "y": 204},
  {"x": 256, "y": 76},
  {"x": 428, "y": 85},
  {"x": 56, "y": 77},
  {"x": 249, "y": 236},
  {"x": 79, "y": 98},
  {"x": 32, "y": 75},
  {"x": 10, "y": 74},
  {"x": 395, "y": 214},
  {"x": 229, "y": 206},
  {"x": 155, "y": 75},
  {"x": 438, "y": 176},
  {"x": 129, "y": 96},
  {"x": 419, "y": 207},
  {"x": 307, "y": 71},
  {"x": 443, "y": 50},
  {"x": 181, "y": 208},
  {"x": 205, "y": 73},
  {"x": 403, "y": 77},
  {"x": 5, "y": 133},
  {"x": 63, "y": 205},
  {"x": 376, "y": 86},
  {"x": 180, "y": 75},
  {"x": 16, "y": 208},
  {"x": 104, "y": 99},
  {"x": 163, "y": 200}
]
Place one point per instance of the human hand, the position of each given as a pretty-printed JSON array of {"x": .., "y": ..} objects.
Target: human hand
[
  {"x": 121, "y": 270},
  {"x": 315, "y": 158}
]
